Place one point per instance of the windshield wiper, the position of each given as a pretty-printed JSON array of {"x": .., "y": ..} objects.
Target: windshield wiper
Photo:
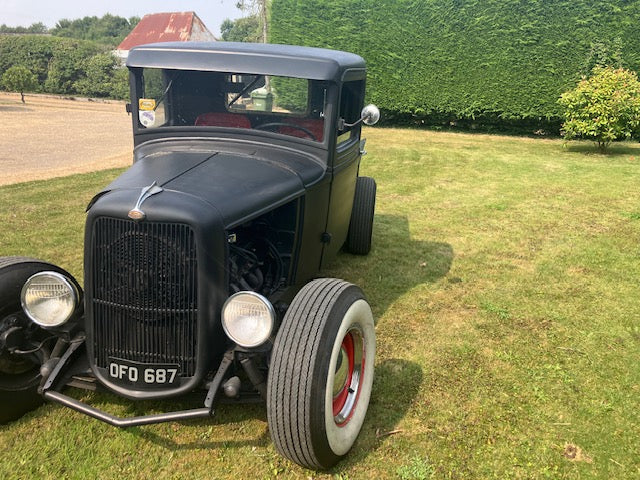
[
  {"x": 164, "y": 94},
  {"x": 245, "y": 90}
]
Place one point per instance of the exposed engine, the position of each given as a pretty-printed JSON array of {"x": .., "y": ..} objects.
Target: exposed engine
[
  {"x": 255, "y": 266},
  {"x": 260, "y": 252}
]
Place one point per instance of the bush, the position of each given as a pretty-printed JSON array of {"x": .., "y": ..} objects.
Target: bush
[
  {"x": 604, "y": 107},
  {"x": 19, "y": 79},
  {"x": 103, "y": 78},
  {"x": 31, "y": 51},
  {"x": 120, "y": 84},
  {"x": 67, "y": 65}
]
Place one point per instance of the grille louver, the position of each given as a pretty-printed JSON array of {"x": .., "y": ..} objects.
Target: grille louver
[{"x": 145, "y": 293}]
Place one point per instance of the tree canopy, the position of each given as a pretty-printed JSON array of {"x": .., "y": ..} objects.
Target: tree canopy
[
  {"x": 246, "y": 29},
  {"x": 65, "y": 65},
  {"x": 108, "y": 29},
  {"x": 38, "y": 27},
  {"x": 19, "y": 79}
]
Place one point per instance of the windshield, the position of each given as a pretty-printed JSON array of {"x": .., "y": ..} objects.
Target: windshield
[{"x": 287, "y": 106}]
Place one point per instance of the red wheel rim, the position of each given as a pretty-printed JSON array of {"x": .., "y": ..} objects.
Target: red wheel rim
[{"x": 348, "y": 376}]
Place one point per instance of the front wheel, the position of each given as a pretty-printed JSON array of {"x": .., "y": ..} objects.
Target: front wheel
[
  {"x": 321, "y": 373},
  {"x": 20, "y": 373}
]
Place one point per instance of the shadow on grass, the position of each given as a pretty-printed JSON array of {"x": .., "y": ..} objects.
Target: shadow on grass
[
  {"x": 591, "y": 148},
  {"x": 396, "y": 385},
  {"x": 396, "y": 264},
  {"x": 171, "y": 435},
  {"x": 224, "y": 414},
  {"x": 395, "y": 388}
]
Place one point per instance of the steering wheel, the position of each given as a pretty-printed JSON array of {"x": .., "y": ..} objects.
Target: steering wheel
[{"x": 267, "y": 126}]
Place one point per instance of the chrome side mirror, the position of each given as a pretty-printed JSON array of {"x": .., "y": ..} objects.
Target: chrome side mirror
[{"x": 370, "y": 115}]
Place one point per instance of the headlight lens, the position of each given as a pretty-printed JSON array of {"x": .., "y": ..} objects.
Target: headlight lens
[
  {"x": 247, "y": 318},
  {"x": 49, "y": 298}
]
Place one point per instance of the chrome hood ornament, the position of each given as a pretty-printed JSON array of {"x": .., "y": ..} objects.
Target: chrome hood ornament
[{"x": 135, "y": 213}]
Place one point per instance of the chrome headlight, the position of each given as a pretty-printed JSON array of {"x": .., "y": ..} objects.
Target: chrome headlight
[
  {"x": 49, "y": 298},
  {"x": 247, "y": 318}
]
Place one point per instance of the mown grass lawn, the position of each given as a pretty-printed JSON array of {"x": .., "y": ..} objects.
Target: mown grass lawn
[{"x": 504, "y": 275}]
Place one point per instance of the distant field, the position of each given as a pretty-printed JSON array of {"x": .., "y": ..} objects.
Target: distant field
[
  {"x": 50, "y": 137},
  {"x": 504, "y": 274}
]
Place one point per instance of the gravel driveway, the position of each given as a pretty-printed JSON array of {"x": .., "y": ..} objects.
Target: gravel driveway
[{"x": 51, "y": 137}]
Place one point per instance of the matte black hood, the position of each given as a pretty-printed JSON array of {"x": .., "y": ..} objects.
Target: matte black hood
[{"x": 239, "y": 184}]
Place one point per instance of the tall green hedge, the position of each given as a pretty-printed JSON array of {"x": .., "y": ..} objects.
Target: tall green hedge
[
  {"x": 502, "y": 62},
  {"x": 65, "y": 65},
  {"x": 31, "y": 51}
]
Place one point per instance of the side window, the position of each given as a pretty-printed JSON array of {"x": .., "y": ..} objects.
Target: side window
[{"x": 351, "y": 100}]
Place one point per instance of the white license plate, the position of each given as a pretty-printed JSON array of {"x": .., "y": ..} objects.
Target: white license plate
[{"x": 143, "y": 374}]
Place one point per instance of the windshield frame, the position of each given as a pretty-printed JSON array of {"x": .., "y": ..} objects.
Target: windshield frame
[{"x": 317, "y": 107}]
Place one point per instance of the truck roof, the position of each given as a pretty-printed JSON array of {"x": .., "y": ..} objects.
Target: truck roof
[{"x": 250, "y": 58}]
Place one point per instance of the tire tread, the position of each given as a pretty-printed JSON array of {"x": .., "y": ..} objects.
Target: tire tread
[
  {"x": 361, "y": 225},
  {"x": 290, "y": 374}
]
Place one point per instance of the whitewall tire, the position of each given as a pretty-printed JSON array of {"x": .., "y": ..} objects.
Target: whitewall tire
[{"x": 321, "y": 373}]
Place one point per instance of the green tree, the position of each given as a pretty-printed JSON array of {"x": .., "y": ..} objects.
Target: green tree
[
  {"x": 604, "y": 107},
  {"x": 101, "y": 78},
  {"x": 31, "y": 51},
  {"x": 108, "y": 29},
  {"x": 246, "y": 29},
  {"x": 38, "y": 27},
  {"x": 120, "y": 83},
  {"x": 67, "y": 65},
  {"x": 19, "y": 79},
  {"x": 259, "y": 9}
]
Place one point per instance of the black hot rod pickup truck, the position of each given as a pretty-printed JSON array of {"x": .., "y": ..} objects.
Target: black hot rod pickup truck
[{"x": 202, "y": 262}]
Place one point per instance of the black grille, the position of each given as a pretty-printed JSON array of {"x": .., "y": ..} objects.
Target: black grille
[{"x": 144, "y": 293}]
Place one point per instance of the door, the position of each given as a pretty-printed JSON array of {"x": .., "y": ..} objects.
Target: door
[{"x": 345, "y": 168}]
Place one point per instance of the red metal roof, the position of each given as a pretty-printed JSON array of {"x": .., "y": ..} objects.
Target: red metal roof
[{"x": 167, "y": 27}]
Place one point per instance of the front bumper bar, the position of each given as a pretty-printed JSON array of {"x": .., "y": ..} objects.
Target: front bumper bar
[
  {"x": 126, "y": 422},
  {"x": 50, "y": 393}
]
